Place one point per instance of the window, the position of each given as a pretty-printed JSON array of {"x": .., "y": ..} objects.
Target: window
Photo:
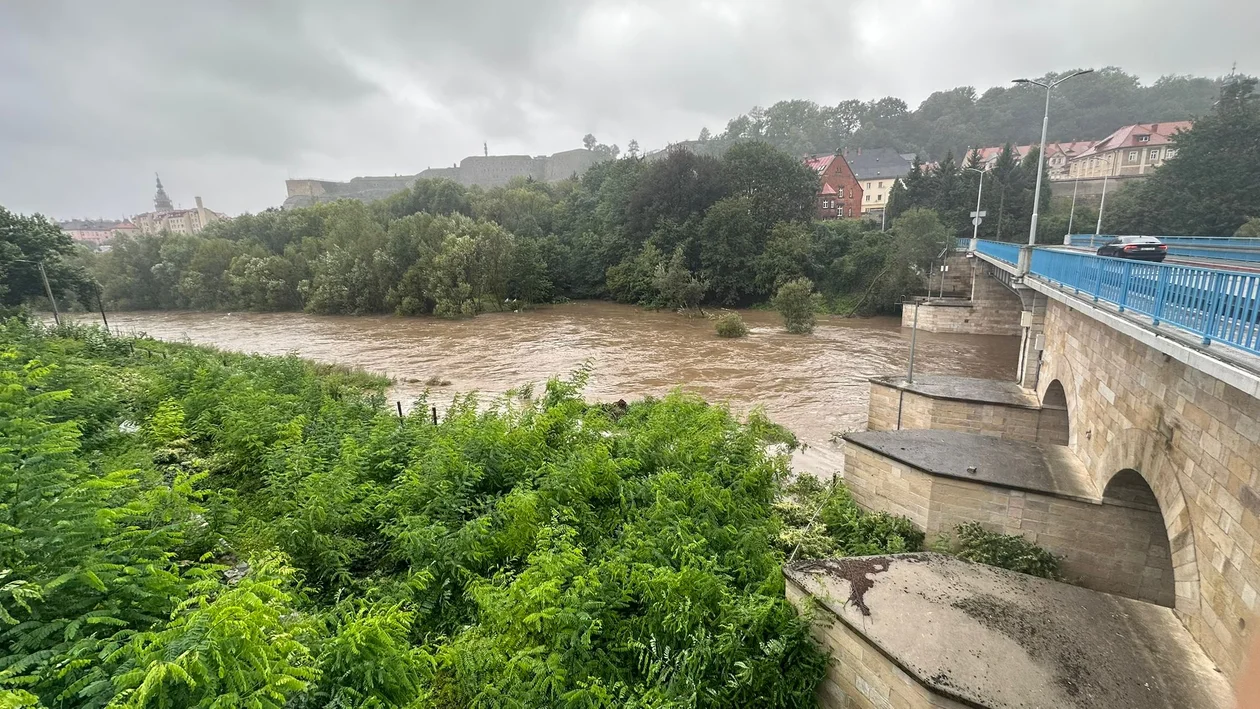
[
  {"x": 1170, "y": 153},
  {"x": 881, "y": 185},
  {"x": 850, "y": 211},
  {"x": 1154, "y": 153},
  {"x": 868, "y": 198},
  {"x": 1144, "y": 138},
  {"x": 1133, "y": 156},
  {"x": 879, "y": 198}
]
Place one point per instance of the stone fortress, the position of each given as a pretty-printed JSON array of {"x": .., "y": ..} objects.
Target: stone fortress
[{"x": 475, "y": 170}]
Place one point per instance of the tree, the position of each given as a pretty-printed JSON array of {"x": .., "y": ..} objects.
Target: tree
[
  {"x": 778, "y": 186},
  {"x": 1251, "y": 227},
  {"x": 1212, "y": 186},
  {"x": 631, "y": 281},
  {"x": 796, "y": 301},
  {"x": 730, "y": 238},
  {"x": 633, "y": 148},
  {"x": 27, "y": 242},
  {"x": 678, "y": 288},
  {"x": 588, "y": 141},
  {"x": 680, "y": 186},
  {"x": 704, "y": 135}
]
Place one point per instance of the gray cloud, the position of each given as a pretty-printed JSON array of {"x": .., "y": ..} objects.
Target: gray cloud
[{"x": 227, "y": 99}]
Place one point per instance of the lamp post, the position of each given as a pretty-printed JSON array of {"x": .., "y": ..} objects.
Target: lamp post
[
  {"x": 1041, "y": 155},
  {"x": 975, "y": 221}
]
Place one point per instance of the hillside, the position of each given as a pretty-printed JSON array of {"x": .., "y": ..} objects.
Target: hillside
[{"x": 1088, "y": 107}]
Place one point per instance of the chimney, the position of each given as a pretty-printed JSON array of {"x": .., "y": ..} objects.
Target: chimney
[
  {"x": 859, "y": 151},
  {"x": 1154, "y": 127}
]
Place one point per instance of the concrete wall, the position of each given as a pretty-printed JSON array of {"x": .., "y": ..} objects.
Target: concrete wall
[
  {"x": 564, "y": 165},
  {"x": 1115, "y": 548},
  {"x": 858, "y": 675},
  {"x": 1195, "y": 440},
  {"x": 918, "y": 411}
]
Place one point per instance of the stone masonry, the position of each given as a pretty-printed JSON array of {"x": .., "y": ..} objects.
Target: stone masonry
[
  {"x": 894, "y": 405},
  {"x": 1104, "y": 545},
  {"x": 993, "y": 310},
  {"x": 1194, "y": 439}
]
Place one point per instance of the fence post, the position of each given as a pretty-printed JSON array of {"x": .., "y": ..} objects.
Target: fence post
[
  {"x": 1100, "y": 264},
  {"x": 1209, "y": 318},
  {"x": 1124, "y": 284},
  {"x": 1161, "y": 291}
]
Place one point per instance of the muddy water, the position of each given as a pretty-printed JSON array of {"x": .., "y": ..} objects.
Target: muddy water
[{"x": 815, "y": 385}]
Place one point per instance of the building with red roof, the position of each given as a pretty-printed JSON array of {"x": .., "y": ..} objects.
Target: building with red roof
[
  {"x": 839, "y": 192},
  {"x": 1058, "y": 156},
  {"x": 1130, "y": 151}
]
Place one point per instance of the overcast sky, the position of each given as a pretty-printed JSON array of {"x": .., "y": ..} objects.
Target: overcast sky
[{"x": 228, "y": 99}]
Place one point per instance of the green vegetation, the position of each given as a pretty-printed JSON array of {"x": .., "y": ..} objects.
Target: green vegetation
[
  {"x": 1088, "y": 107},
  {"x": 674, "y": 232},
  {"x": 730, "y": 324},
  {"x": 1008, "y": 551},
  {"x": 796, "y": 302},
  {"x": 188, "y": 528},
  {"x": 1212, "y": 186},
  {"x": 823, "y": 521},
  {"x": 25, "y": 243}
]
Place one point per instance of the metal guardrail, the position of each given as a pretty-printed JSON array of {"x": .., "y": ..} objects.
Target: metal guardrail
[
  {"x": 1218, "y": 305},
  {"x": 999, "y": 250},
  {"x": 1230, "y": 248}
]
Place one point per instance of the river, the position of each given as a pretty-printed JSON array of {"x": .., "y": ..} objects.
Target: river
[{"x": 815, "y": 385}]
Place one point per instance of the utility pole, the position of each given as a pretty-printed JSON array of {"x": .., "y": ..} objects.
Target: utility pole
[
  {"x": 914, "y": 334},
  {"x": 1101, "y": 203},
  {"x": 1072, "y": 214},
  {"x": 1041, "y": 155},
  {"x": 48, "y": 289}
]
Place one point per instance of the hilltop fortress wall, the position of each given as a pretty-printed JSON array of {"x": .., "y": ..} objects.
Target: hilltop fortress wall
[{"x": 483, "y": 171}]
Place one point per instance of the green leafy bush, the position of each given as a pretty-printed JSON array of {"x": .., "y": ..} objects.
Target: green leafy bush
[
  {"x": 823, "y": 521},
  {"x": 181, "y": 527},
  {"x": 796, "y": 302},
  {"x": 730, "y": 324},
  {"x": 1008, "y": 551}
]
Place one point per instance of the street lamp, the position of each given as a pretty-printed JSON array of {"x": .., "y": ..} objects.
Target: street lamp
[
  {"x": 1041, "y": 156},
  {"x": 975, "y": 221}
]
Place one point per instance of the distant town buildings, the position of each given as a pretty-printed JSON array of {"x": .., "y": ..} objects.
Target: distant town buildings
[
  {"x": 479, "y": 170},
  {"x": 1130, "y": 151},
  {"x": 1058, "y": 155},
  {"x": 877, "y": 169},
  {"x": 165, "y": 217},
  {"x": 96, "y": 231},
  {"x": 839, "y": 193}
]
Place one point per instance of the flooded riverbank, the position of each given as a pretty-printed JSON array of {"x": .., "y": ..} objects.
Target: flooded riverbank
[{"x": 816, "y": 385}]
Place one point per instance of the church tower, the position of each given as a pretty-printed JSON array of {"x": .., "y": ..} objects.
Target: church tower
[{"x": 161, "y": 203}]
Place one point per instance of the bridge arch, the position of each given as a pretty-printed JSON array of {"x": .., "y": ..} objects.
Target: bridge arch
[
  {"x": 1055, "y": 421},
  {"x": 1141, "y": 474}
]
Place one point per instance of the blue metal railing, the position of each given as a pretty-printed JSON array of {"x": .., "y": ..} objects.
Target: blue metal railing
[
  {"x": 999, "y": 250},
  {"x": 1230, "y": 248},
  {"x": 1218, "y": 305}
]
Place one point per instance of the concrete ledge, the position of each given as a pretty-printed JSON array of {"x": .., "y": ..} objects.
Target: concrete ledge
[
  {"x": 926, "y": 630},
  {"x": 1017, "y": 465},
  {"x": 970, "y": 389}
]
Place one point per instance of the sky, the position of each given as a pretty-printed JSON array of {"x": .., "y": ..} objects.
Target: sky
[{"x": 227, "y": 99}]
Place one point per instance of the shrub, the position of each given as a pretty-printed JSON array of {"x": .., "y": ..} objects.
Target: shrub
[
  {"x": 796, "y": 302},
  {"x": 1007, "y": 551},
  {"x": 265, "y": 533},
  {"x": 839, "y": 527},
  {"x": 730, "y": 324}
]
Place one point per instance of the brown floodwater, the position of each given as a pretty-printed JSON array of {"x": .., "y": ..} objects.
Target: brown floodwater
[{"x": 815, "y": 385}]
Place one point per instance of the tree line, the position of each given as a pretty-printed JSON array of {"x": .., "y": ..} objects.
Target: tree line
[
  {"x": 957, "y": 120},
  {"x": 677, "y": 232}
]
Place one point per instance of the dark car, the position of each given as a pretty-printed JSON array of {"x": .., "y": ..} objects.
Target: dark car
[{"x": 1145, "y": 248}]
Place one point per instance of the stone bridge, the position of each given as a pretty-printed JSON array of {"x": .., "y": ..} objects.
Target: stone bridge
[{"x": 1129, "y": 444}]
